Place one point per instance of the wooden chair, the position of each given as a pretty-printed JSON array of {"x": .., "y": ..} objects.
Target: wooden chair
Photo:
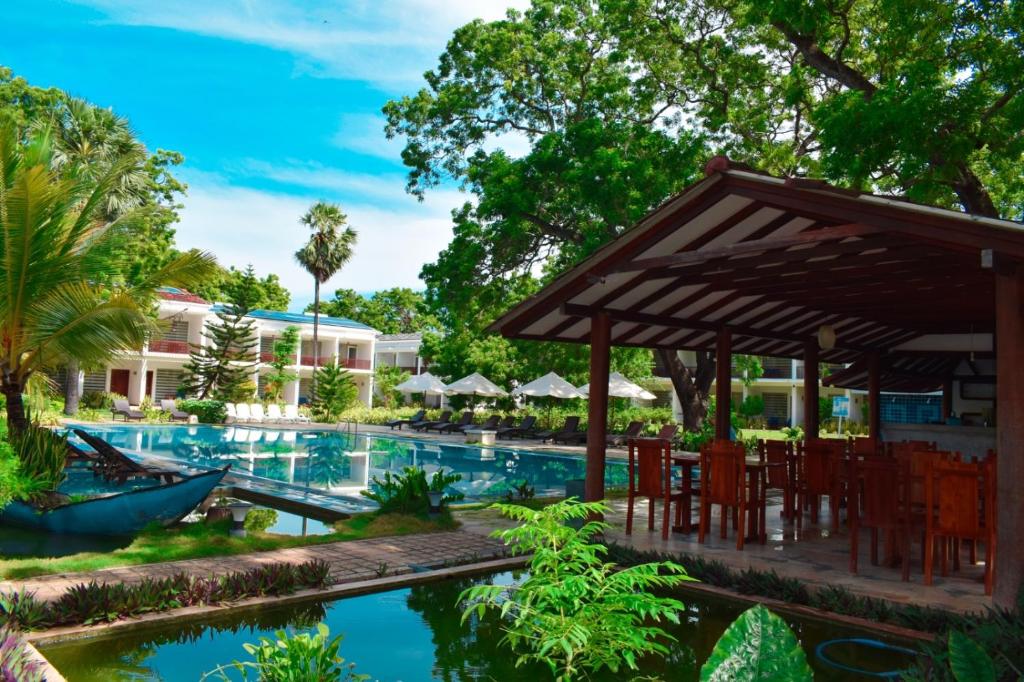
[
  {"x": 878, "y": 499},
  {"x": 959, "y": 505},
  {"x": 723, "y": 478},
  {"x": 781, "y": 474},
  {"x": 819, "y": 468},
  {"x": 650, "y": 476}
]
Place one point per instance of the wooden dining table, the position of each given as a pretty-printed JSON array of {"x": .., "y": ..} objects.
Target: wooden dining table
[{"x": 757, "y": 476}]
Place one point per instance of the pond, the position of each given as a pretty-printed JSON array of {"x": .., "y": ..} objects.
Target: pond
[{"x": 412, "y": 635}]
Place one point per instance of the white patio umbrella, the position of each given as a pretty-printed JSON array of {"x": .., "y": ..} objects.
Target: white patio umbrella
[
  {"x": 422, "y": 383},
  {"x": 475, "y": 384},
  {"x": 549, "y": 386},
  {"x": 621, "y": 387}
]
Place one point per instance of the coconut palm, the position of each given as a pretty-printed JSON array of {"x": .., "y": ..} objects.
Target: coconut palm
[
  {"x": 57, "y": 249},
  {"x": 326, "y": 252}
]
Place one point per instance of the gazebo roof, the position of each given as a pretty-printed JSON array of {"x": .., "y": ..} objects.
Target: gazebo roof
[{"x": 774, "y": 259}]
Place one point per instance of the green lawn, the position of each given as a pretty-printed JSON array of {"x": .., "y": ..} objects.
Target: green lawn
[{"x": 191, "y": 541}]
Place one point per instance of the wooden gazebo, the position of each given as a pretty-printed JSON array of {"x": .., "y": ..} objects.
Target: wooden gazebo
[{"x": 743, "y": 262}]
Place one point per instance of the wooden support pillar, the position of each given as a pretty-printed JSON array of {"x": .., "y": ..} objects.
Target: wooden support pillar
[
  {"x": 723, "y": 383},
  {"x": 597, "y": 413},
  {"x": 1009, "y": 342},
  {"x": 811, "y": 415},
  {"x": 874, "y": 396},
  {"x": 947, "y": 399}
]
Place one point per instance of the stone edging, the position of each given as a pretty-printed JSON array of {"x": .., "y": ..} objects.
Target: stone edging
[
  {"x": 50, "y": 674},
  {"x": 349, "y": 589},
  {"x": 811, "y": 612}
]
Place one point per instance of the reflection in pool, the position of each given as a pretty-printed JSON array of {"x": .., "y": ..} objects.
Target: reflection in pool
[
  {"x": 344, "y": 464},
  {"x": 409, "y": 635}
]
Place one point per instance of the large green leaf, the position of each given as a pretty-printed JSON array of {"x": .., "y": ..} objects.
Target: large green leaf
[
  {"x": 757, "y": 646},
  {"x": 968, "y": 660}
]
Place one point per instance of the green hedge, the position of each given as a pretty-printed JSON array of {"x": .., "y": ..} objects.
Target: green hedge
[{"x": 208, "y": 411}]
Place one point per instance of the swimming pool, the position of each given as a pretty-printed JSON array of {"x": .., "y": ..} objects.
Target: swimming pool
[{"x": 342, "y": 464}]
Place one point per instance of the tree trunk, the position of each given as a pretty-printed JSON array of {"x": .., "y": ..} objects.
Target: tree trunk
[
  {"x": 692, "y": 387},
  {"x": 16, "y": 420},
  {"x": 71, "y": 395},
  {"x": 316, "y": 341}
]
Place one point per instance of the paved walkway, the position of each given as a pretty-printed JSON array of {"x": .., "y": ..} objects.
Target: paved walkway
[{"x": 350, "y": 561}]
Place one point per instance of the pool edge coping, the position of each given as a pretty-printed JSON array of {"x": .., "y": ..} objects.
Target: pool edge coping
[{"x": 337, "y": 591}]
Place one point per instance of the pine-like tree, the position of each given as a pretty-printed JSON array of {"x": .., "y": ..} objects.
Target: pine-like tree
[{"x": 223, "y": 364}]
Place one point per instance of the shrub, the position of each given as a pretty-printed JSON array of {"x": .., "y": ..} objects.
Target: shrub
[
  {"x": 335, "y": 391},
  {"x": 43, "y": 454},
  {"x": 16, "y": 664},
  {"x": 98, "y": 400},
  {"x": 259, "y": 520},
  {"x": 576, "y": 612},
  {"x": 21, "y": 610},
  {"x": 304, "y": 657},
  {"x": 406, "y": 493},
  {"x": 752, "y": 406},
  {"x": 207, "y": 411}
]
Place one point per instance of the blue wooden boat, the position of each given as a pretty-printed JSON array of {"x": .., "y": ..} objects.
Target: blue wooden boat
[{"x": 121, "y": 513}]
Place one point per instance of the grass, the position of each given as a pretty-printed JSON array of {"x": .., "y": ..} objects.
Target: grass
[{"x": 198, "y": 540}]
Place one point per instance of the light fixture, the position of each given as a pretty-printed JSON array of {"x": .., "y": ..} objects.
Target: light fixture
[
  {"x": 239, "y": 510},
  {"x": 826, "y": 337}
]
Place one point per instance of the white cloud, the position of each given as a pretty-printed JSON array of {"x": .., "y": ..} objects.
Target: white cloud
[
  {"x": 364, "y": 133},
  {"x": 243, "y": 225},
  {"x": 386, "y": 43}
]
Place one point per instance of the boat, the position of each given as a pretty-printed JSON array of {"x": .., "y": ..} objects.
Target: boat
[{"x": 121, "y": 513}]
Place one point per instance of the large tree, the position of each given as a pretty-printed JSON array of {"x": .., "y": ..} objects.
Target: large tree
[
  {"x": 267, "y": 292},
  {"x": 398, "y": 310},
  {"x": 622, "y": 100}
]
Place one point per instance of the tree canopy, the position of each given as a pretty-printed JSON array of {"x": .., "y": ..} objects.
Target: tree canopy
[
  {"x": 622, "y": 101},
  {"x": 267, "y": 293},
  {"x": 390, "y": 311}
]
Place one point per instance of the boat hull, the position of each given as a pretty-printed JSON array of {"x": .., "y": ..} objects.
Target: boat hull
[{"x": 121, "y": 514}]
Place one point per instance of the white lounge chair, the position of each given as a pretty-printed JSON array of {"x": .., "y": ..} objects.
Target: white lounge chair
[
  {"x": 242, "y": 412},
  {"x": 232, "y": 415},
  {"x": 291, "y": 413},
  {"x": 274, "y": 413},
  {"x": 256, "y": 412}
]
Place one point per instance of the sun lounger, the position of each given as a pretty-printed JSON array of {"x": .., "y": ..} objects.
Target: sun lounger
[
  {"x": 506, "y": 423},
  {"x": 256, "y": 412},
  {"x": 490, "y": 425},
  {"x": 231, "y": 412},
  {"x": 446, "y": 418},
  {"x": 524, "y": 430},
  {"x": 668, "y": 432},
  {"x": 291, "y": 413},
  {"x": 576, "y": 437},
  {"x": 464, "y": 421},
  {"x": 242, "y": 412},
  {"x": 121, "y": 407},
  {"x": 168, "y": 405},
  {"x": 632, "y": 431},
  {"x": 415, "y": 419},
  {"x": 572, "y": 425},
  {"x": 113, "y": 464},
  {"x": 274, "y": 413}
]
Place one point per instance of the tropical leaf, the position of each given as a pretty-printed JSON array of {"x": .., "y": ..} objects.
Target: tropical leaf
[
  {"x": 757, "y": 646},
  {"x": 968, "y": 660}
]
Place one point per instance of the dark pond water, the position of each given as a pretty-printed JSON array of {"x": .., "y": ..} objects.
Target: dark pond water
[{"x": 411, "y": 635}]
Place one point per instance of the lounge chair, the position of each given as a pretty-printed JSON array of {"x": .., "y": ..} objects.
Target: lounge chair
[
  {"x": 465, "y": 421},
  {"x": 506, "y": 423},
  {"x": 121, "y": 407},
  {"x": 524, "y": 430},
  {"x": 668, "y": 432},
  {"x": 232, "y": 415},
  {"x": 620, "y": 439},
  {"x": 168, "y": 405},
  {"x": 274, "y": 413},
  {"x": 113, "y": 464},
  {"x": 572, "y": 425},
  {"x": 576, "y": 437},
  {"x": 256, "y": 413},
  {"x": 291, "y": 413},
  {"x": 446, "y": 418},
  {"x": 490, "y": 425},
  {"x": 415, "y": 419},
  {"x": 242, "y": 413}
]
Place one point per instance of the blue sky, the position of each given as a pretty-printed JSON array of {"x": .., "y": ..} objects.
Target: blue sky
[{"x": 274, "y": 104}]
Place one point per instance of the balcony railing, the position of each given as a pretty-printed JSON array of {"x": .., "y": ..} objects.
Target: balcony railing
[
  {"x": 266, "y": 357},
  {"x": 168, "y": 346},
  {"x": 355, "y": 363},
  {"x": 412, "y": 369},
  {"x": 348, "y": 363}
]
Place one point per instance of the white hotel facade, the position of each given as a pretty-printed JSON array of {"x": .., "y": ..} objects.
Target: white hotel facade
[{"x": 156, "y": 371}]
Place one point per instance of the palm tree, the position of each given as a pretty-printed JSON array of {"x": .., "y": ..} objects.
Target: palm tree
[
  {"x": 88, "y": 141},
  {"x": 326, "y": 252},
  {"x": 57, "y": 249}
]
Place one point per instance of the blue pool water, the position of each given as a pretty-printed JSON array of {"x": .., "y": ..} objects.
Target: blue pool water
[{"x": 343, "y": 464}]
